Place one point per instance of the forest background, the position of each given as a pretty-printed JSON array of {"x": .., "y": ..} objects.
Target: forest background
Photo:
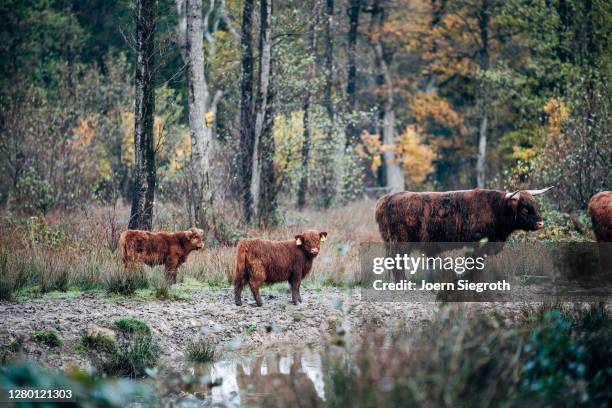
[{"x": 235, "y": 111}]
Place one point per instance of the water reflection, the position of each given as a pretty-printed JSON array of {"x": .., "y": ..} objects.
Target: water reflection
[{"x": 281, "y": 379}]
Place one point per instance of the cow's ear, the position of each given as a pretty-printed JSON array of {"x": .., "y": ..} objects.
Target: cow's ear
[
  {"x": 322, "y": 236},
  {"x": 298, "y": 240}
]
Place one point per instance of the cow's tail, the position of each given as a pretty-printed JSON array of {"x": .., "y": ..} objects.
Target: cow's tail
[
  {"x": 123, "y": 249},
  {"x": 380, "y": 214},
  {"x": 240, "y": 277}
]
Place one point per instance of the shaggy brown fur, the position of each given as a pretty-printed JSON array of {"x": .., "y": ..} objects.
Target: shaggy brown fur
[
  {"x": 261, "y": 261},
  {"x": 455, "y": 216},
  {"x": 170, "y": 249},
  {"x": 600, "y": 211}
]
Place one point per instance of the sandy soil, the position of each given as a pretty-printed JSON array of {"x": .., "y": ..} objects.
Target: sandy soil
[{"x": 213, "y": 314}]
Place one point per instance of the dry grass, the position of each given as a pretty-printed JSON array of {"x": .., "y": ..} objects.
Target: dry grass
[{"x": 79, "y": 249}]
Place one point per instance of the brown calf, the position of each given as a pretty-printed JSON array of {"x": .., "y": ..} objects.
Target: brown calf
[
  {"x": 261, "y": 261},
  {"x": 170, "y": 249}
]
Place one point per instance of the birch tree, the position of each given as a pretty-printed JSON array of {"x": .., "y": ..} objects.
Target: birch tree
[
  {"x": 261, "y": 100},
  {"x": 194, "y": 27},
  {"x": 141, "y": 216},
  {"x": 483, "y": 25},
  {"x": 394, "y": 174}
]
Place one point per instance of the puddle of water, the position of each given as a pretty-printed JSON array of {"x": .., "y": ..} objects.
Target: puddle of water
[{"x": 285, "y": 379}]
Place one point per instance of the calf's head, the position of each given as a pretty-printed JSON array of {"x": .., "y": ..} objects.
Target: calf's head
[
  {"x": 525, "y": 210},
  {"x": 195, "y": 236},
  {"x": 310, "y": 241}
]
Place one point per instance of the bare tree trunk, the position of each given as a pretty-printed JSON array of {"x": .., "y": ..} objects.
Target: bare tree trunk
[
  {"x": 394, "y": 172},
  {"x": 482, "y": 153},
  {"x": 198, "y": 95},
  {"x": 312, "y": 45},
  {"x": 261, "y": 101},
  {"x": 192, "y": 29},
  {"x": 269, "y": 188},
  {"x": 329, "y": 173},
  {"x": 481, "y": 161},
  {"x": 247, "y": 130},
  {"x": 351, "y": 77},
  {"x": 141, "y": 216}
]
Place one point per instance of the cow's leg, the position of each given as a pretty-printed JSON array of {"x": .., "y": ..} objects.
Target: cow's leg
[
  {"x": 295, "y": 290},
  {"x": 256, "y": 278},
  {"x": 241, "y": 277},
  {"x": 238, "y": 284},
  {"x": 171, "y": 264},
  {"x": 255, "y": 291}
]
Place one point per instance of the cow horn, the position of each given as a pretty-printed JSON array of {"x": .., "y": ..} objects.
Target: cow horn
[
  {"x": 538, "y": 192},
  {"x": 510, "y": 195}
]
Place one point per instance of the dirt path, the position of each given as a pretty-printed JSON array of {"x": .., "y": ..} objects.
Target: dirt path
[{"x": 235, "y": 330}]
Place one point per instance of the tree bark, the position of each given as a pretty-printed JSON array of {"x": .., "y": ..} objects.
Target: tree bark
[
  {"x": 269, "y": 188},
  {"x": 198, "y": 96},
  {"x": 191, "y": 31},
  {"x": 141, "y": 216},
  {"x": 261, "y": 101},
  {"x": 247, "y": 129},
  {"x": 351, "y": 76},
  {"x": 311, "y": 72},
  {"x": 394, "y": 173},
  {"x": 481, "y": 161},
  {"x": 329, "y": 178}
]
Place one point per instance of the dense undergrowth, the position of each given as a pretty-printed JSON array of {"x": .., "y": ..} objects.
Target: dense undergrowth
[{"x": 554, "y": 356}]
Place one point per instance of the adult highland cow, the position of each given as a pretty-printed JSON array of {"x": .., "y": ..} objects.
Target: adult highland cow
[
  {"x": 457, "y": 216},
  {"x": 600, "y": 211}
]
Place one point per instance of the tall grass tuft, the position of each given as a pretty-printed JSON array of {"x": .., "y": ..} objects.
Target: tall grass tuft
[
  {"x": 130, "y": 354},
  {"x": 201, "y": 350}
]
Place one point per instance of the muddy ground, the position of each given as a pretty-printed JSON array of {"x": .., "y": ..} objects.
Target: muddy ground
[{"x": 239, "y": 331}]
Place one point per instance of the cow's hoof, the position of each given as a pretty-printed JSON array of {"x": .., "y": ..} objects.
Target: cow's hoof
[{"x": 238, "y": 303}]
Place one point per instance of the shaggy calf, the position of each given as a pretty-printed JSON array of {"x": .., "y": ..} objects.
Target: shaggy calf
[
  {"x": 170, "y": 249},
  {"x": 261, "y": 261},
  {"x": 600, "y": 211}
]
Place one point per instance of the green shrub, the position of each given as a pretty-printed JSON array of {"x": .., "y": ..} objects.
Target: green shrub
[
  {"x": 33, "y": 193},
  {"x": 132, "y": 326},
  {"x": 130, "y": 355},
  {"x": 201, "y": 350},
  {"x": 10, "y": 351},
  {"x": 132, "y": 360},
  {"x": 99, "y": 342},
  {"x": 49, "y": 337}
]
